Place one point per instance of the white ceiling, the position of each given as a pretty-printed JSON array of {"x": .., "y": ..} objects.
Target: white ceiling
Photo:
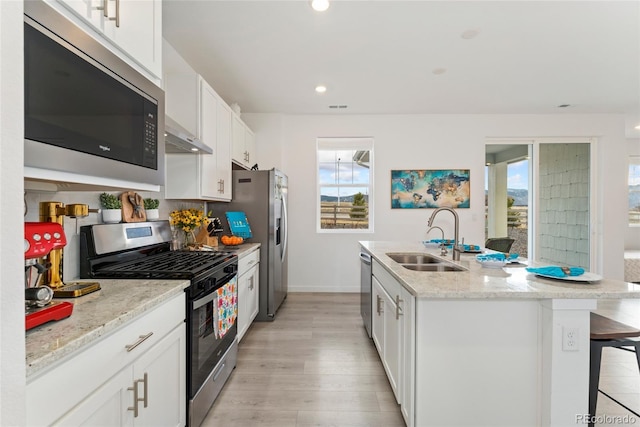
[{"x": 379, "y": 57}]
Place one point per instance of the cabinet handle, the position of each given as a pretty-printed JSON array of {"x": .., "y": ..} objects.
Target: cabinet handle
[
  {"x": 221, "y": 186},
  {"x": 145, "y": 398},
  {"x": 136, "y": 396},
  {"x": 378, "y": 305},
  {"x": 398, "y": 309},
  {"x": 134, "y": 408},
  {"x": 251, "y": 285},
  {"x": 104, "y": 8},
  {"x": 142, "y": 338}
]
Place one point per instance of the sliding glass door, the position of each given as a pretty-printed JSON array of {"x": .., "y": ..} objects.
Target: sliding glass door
[{"x": 549, "y": 214}]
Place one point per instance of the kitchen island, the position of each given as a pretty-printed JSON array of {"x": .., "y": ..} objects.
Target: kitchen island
[{"x": 484, "y": 346}]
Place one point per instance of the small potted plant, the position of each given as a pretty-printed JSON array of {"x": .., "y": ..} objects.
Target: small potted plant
[
  {"x": 151, "y": 207},
  {"x": 111, "y": 208}
]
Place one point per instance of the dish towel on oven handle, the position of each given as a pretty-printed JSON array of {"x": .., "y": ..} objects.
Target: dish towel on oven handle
[{"x": 226, "y": 307}]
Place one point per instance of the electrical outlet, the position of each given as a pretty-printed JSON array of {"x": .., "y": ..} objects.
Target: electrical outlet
[{"x": 570, "y": 339}]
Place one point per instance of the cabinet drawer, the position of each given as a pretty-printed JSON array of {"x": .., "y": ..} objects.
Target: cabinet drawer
[
  {"x": 387, "y": 281},
  {"x": 248, "y": 261},
  {"x": 64, "y": 385}
]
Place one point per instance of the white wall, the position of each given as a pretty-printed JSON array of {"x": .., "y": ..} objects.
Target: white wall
[
  {"x": 328, "y": 262},
  {"x": 12, "y": 351},
  {"x": 632, "y": 236}
]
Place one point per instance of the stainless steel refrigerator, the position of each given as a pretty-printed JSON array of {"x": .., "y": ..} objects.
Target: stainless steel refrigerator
[{"x": 262, "y": 196}]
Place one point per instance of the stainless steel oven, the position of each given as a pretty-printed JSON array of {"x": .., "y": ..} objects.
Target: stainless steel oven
[
  {"x": 212, "y": 341},
  {"x": 142, "y": 251}
]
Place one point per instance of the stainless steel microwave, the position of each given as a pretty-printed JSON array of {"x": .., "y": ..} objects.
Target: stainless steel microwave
[{"x": 87, "y": 111}]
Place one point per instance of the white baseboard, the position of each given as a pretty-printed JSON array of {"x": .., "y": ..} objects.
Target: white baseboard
[{"x": 350, "y": 289}]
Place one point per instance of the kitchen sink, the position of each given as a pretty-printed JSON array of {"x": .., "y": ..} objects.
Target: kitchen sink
[
  {"x": 423, "y": 262},
  {"x": 436, "y": 267},
  {"x": 414, "y": 258}
]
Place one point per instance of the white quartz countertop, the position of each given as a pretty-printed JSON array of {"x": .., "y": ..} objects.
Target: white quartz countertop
[
  {"x": 95, "y": 315},
  {"x": 240, "y": 250},
  {"x": 479, "y": 282}
]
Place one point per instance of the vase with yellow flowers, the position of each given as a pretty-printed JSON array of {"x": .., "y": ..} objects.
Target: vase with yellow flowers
[{"x": 188, "y": 220}]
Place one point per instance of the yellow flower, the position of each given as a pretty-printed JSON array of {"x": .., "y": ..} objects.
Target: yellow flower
[{"x": 187, "y": 219}]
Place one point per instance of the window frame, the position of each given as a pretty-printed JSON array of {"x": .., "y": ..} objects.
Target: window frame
[
  {"x": 345, "y": 144},
  {"x": 632, "y": 160}
]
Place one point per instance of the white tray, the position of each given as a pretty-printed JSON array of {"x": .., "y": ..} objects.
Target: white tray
[{"x": 585, "y": 277}]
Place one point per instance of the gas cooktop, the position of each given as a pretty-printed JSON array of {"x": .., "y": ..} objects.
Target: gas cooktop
[{"x": 166, "y": 265}]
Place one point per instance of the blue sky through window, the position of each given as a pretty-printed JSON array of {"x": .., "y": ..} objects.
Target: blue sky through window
[{"x": 517, "y": 175}]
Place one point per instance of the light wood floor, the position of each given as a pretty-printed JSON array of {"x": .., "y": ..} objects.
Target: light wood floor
[{"x": 315, "y": 366}]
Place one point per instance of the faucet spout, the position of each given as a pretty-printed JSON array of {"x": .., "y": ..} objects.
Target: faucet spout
[
  {"x": 443, "y": 246},
  {"x": 456, "y": 249}
]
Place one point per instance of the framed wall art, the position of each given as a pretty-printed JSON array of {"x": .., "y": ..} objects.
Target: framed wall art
[{"x": 415, "y": 189}]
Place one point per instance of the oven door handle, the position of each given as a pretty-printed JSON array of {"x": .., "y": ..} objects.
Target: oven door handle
[
  {"x": 211, "y": 296},
  {"x": 205, "y": 300}
]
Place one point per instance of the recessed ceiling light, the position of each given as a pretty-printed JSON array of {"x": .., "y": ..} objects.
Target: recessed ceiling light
[
  {"x": 470, "y": 34},
  {"x": 194, "y": 149},
  {"x": 564, "y": 105},
  {"x": 320, "y": 5},
  {"x": 638, "y": 127},
  {"x": 321, "y": 89},
  {"x": 438, "y": 71}
]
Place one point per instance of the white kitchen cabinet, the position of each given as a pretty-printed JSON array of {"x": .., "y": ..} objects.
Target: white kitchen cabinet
[
  {"x": 377, "y": 322},
  {"x": 204, "y": 176},
  {"x": 408, "y": 358},
  {"x": 387, "y": 333},
  {"x": 244, "y": 145},
  {"x": 248, "y": 290},
  {"x": 181, "y": 85},
  {"x": 97, "y": 386},
  {"x": 133, "y": 27},
  {"x": 392, "y": 332}
]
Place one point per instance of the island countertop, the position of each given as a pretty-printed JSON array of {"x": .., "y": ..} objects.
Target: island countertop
[
  {"x": 479, "y": 282},
  {"x": 95, "y": 315}
]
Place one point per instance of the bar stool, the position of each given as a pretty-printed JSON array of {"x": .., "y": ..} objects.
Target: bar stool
[{"x": 607, "y": 332}]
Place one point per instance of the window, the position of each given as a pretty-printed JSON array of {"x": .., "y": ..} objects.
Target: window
[
  {"x": 345, "y": 196},
  {"x": 634, "y": 190}
]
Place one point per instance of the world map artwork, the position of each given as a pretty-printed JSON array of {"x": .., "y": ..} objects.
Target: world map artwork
[{"x": 411, "y": 189}]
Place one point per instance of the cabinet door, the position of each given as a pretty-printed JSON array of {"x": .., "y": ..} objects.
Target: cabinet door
[
  {"x": 243, "y": 305},
  {"x": 407, "y": 378},
  {"x": 250, "y": 146},
  {"x": 223, "y": 150},
  {"x": 180, "y": 84},
  {"x": 238, "y": 133},
  {"x": 377, "y": 324},
  {"x": 392, "y": 342},
  {"x": 138, "y": 32},
  {"x": 209, "y": 185},
  {"x": 90, "y": 11},
  {"x": 107, "y": 406},
  {"x": 254, "y": 292},
  {"x": 160, "y": 376}
]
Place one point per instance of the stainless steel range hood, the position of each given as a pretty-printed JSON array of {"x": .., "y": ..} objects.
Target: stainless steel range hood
[{"x": 178, "y": 140}]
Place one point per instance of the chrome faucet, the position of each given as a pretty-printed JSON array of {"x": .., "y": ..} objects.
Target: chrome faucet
[
  {"x": 443, "y": 246},
  {"x": 456, "y": 248}
]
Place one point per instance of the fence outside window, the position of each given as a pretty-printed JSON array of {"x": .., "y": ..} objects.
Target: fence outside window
[{"x": 343, "y": 215}]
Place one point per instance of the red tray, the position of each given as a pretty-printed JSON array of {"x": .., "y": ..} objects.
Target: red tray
[{"x": 54, "y": 311}]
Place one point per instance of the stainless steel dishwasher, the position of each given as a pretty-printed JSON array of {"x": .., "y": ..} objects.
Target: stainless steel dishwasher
[{"x": 365, "y": 290}]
